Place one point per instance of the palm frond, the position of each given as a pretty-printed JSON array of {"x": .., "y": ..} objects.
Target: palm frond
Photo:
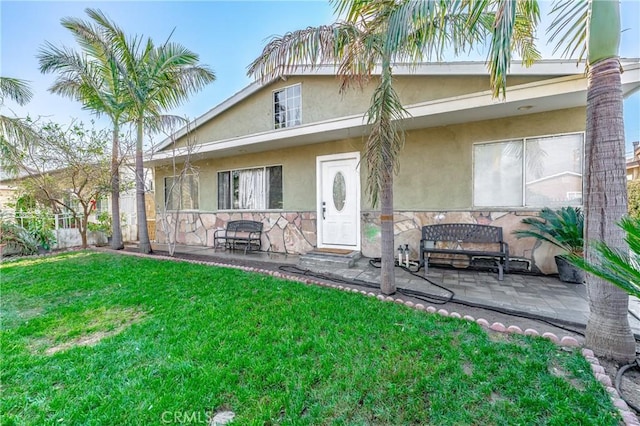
[
  {"x": 563, "y": 228},
  {"x": 15, "y": 89},
  {"x": 420, "y": 30},
  {"x": 501, "y": 43},
  {"x": 569, "y": 27},
  {"x": 619, "y": 267},
  {"x": 524, "y": 33},
  {"x": 354, "y": 10},
  {"x": 91, "y": 77},
  {"x": 169, "y": 74},
  {"x": 386, "y": 138},
  {"x": 16, "y": 132},
  {"x": 165, "y": 122},
  {"x": 341, "y": 43}
]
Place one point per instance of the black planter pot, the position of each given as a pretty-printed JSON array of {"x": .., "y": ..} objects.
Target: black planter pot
[{"x": 568, "y": 272}]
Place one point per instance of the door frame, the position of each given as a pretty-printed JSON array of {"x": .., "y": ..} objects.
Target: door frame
[{"x": 333, "y": 157}]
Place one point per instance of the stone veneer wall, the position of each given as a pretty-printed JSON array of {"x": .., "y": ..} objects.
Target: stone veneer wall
[
  {"x": 295, "y": 232},
  {"x": 408, "y": 231},
  {"x": 282, "y": 232}
]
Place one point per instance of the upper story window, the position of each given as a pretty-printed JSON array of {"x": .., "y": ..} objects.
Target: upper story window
[
  {"x": 531, "y": 172},
  {"x": 258, "y": 188},
  {"x": 287, "y": 107},
  {"x": 181, "y": 192}
]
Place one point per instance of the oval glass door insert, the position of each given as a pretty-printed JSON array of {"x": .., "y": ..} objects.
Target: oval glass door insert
[{"x": 339, "y": 191}]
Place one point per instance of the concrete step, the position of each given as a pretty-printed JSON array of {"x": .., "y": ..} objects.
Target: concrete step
[{"x": 328, "y": 260}]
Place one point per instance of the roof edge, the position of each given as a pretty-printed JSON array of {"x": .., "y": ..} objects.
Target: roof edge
[{"x": 560, "y": 67}]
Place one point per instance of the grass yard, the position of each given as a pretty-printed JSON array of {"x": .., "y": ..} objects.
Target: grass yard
[{"x": 96, "y": 338}]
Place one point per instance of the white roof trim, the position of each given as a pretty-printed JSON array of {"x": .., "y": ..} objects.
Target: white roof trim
[{"x": 543, "y": 67}]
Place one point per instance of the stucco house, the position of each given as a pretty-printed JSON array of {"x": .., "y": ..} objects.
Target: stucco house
[
  {"x": 288, "y": 153},
  {"x": 633, "y": 163}
]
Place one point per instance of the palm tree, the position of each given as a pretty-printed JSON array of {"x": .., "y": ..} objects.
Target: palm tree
[
  {"x": 375, "y": 33},
  {"x": 608, "y": 331},
  {"x": 356, "y": 48},
  {"x": 93, "y": 78},
  {"x": 605, "y": 198},
  {"x": 14, "y": 132},
  {"x": 155, "y": 79}
]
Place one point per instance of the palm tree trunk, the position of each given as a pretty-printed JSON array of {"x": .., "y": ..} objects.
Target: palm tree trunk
[
  {"x": 608, "y": 331},
  {"x": 116, "y": 231},
  {"x": 143, "y": 233},
  {"x": 387, "y": 273}
]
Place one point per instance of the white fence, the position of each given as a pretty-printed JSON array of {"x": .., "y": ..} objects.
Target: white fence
[{"x": 59, "y": 221}]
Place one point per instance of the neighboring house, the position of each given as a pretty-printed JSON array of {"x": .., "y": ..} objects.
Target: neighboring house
[
  {"x": 128, "y": 209},
  {"x": 633, "y": 163},
  {"x": 558, "y": 190},
  {"x": 7, "y": 197},
  {"x": 9, "y": 190},
  {"x": 288, "y": 154}
]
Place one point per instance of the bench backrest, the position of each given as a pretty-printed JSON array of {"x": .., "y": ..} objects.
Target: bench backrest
[
  {"x": 467, "y": 232},
  {"x": 244, "y": 226}
]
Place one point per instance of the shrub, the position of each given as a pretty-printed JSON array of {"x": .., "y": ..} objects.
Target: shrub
[
  {"x": 17, "y": 239},
  {"x": 103, "y": 223},
  {"x": 619, "y": 267},
  {"x": 633, "y": 194}
]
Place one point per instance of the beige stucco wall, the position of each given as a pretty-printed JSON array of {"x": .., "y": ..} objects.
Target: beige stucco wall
[
  {"x": 321, "y": 101},
  {"x": 436, "y": 164},
  {"x": 298, "y": 168}
]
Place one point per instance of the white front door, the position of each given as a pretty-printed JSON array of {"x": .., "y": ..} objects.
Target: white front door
[{"x": 339, "y": 201}]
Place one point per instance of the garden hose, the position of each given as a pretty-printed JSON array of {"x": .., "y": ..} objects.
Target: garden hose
[
  {"x": 420, "y": 295},
  {"x": 618, "y": 382}
]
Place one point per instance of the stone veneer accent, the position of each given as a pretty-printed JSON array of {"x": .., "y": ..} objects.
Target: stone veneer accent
[
  {"x": 295, "y": 232},
  {"x": 282, "y": 232},
  {"x": 408, "y": 230}
]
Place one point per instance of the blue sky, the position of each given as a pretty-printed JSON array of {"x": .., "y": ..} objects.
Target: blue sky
[{"x": 227, "y": 35}]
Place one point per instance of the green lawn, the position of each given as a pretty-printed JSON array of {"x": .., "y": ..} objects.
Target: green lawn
[{"x": 95, "y": 338}]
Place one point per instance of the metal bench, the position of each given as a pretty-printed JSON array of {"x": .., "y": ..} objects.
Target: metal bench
[
  {"x": 239, "y": 234},
  {"x": 464, "y": 239}
]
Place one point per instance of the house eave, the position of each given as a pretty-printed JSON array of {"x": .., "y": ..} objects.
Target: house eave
[
  {"x": 541, "y": 96},
  {"x": 553, "y": 67}
]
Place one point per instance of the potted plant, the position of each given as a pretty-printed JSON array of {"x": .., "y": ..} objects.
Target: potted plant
[{"x": 564, "y": 229}]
